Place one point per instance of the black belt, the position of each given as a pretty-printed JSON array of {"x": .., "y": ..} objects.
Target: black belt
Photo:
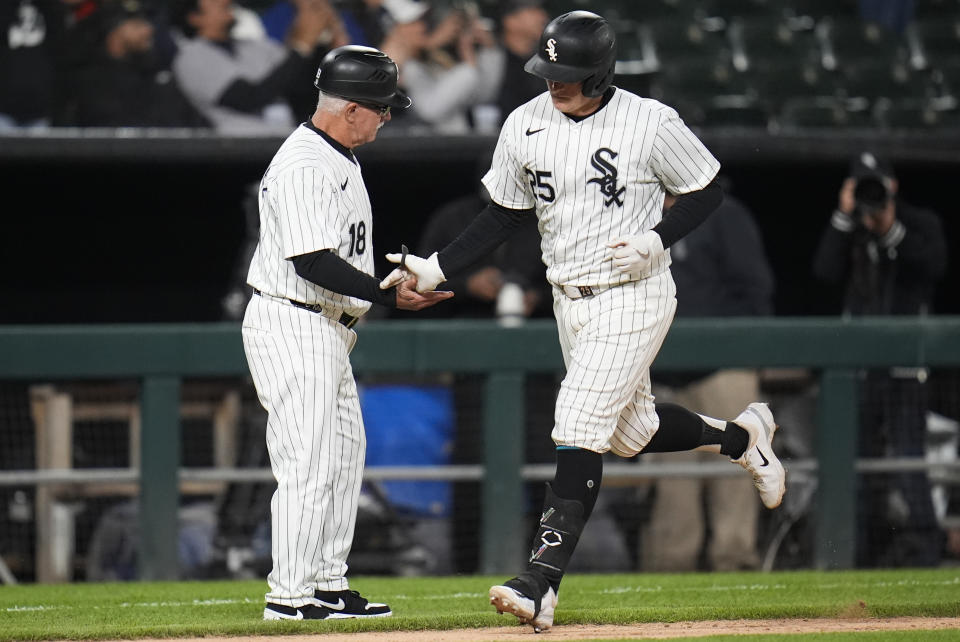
[{"x": 347, "y": 320}]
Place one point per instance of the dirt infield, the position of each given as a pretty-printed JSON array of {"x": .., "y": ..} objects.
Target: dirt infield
[{"x": 654, "y": 630}]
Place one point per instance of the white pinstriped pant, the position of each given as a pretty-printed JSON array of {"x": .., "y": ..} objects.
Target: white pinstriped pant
[
  {"x": 609, "y": 341},
  {"x": 300, "y": 362}
]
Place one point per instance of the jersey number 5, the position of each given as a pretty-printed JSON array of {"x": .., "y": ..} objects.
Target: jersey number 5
[
  {"x": 540, "y": 186},
  {"x": 358, "y": 238}
]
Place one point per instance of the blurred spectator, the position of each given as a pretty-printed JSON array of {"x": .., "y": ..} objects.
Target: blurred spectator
[
  {"x": 448, "y": 70},
  {"x": 721, "y": 270},
  {"x": 242, "y": 86},
  {"x": 521, "y": 23},
  {"x": 29, "y": 32},
  {"x": 888, "y": 256},
  {"x": 247, "y": 24},
  {"x": 516, "y": 262},
  {"x": 124, "y": 82},
  {"x": 281, "y": 18},
  {"x": 366, "y": 21}
]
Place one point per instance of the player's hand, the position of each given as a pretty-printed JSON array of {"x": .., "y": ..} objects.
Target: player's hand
[
  {"x": 634, "y": 255},
  {"x": 428, "y": 272},
  {"x": 409, "y": 299}
]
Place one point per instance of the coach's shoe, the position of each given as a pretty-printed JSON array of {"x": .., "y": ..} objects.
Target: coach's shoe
[
  {"x": 349, "y": 604},
  {"x": 308, "y": 612},
  {"x": 514, "y": 597},
  {"x": 759, "y": 458}
]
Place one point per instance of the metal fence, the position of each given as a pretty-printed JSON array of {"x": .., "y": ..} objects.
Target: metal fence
[{"x": 160, "y": 357}]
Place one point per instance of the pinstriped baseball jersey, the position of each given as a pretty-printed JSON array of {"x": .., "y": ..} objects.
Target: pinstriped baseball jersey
[
  {"x": 594, "y": 180},
  {"x": 312, "y": 197}
]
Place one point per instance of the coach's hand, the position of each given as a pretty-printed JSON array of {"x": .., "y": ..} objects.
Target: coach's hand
[
  {"x": 409, "y": 299},
  {"x": 428, "y": 272},
  {"x": 634, "y": 255}
]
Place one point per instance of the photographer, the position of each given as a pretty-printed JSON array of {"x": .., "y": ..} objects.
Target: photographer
[
  {"x": 888, "y": 255},
  {"x": 449, "y": 68}
]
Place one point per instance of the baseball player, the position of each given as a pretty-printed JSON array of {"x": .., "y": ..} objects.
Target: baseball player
[
  {"x": 312, "y": 279},
  {"x": 593, "y": 163}
]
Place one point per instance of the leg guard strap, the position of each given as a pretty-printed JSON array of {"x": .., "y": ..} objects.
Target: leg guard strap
[{"x": 533, "y": 585}]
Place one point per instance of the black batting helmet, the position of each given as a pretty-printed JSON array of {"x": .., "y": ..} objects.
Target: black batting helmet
[
  {"x": 577, "y": 46},
  {"x": 361, "y": 74}
]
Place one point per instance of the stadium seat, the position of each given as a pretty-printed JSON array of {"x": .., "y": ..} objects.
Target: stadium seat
[
  {"x": 635, "y": 49},
  {"x": 668, "y": 9},
  {"x": 918, "y": 114},
  {"x": 825, "y": 112},
  {"x": 947, "y": 76},
  {"x": 818, "y": 9},
  {"x": 610, "y": 9},
  {"x": 874, "y": 79},
  {"x": 776, "y": 81},
  {"x": 772, "y": 40},
  {"x": 735, "y": 111},
  {"x": 934, "y": 40},
  {"x": 640, "y": 84},
  {"x": 937, "y": 9},
  {"x": 770, "y": 9},
  {"x": 848, "y": 40},
  {"x": 680, "y": 38},
  {"x": 690, "y": 110},
  {"x": 697, "y": 78}
]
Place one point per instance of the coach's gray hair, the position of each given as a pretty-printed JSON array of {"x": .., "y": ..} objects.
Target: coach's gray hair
[{"x": 330, "y": 104}]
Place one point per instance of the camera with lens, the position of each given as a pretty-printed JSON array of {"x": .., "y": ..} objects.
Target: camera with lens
[{"x": 870, "y": 194}]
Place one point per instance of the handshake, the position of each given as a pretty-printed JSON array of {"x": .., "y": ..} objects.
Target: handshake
[
  {"x": 427, "y": 271},
  {"x": 632, "y": 255}
]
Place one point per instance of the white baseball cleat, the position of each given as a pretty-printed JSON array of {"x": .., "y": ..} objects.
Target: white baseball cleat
[
  {"x": 510, "y": 600},
  {"x": 759, "y": 458},
  {"x": 282, "y": 612}
]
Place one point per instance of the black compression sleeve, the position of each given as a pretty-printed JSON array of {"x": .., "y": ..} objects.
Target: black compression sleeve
[
  {"x": 489, "y": 229},
  {"x": 329, "y": 271},
  {"x": 245, "y": 96},
  {"x": 689, "y": 211}
]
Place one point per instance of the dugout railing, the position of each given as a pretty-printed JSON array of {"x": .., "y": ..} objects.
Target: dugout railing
[{"x": 161, "y": 356}]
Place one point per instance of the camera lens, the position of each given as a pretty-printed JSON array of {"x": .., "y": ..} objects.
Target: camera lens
[{"x": 870, "y": 193}]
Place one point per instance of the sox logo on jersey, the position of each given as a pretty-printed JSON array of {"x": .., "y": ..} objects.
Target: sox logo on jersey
[{"x": 608, "y": 179}]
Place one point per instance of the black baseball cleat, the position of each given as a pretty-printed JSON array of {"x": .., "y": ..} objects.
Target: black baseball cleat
[
  {"x": 347, "y": 604},
  {"x": 307, "y": 612}
]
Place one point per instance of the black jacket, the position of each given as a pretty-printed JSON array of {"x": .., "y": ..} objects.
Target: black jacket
[
  {"x": 720, "y": 268},
  {"x": 889, "y": 275}
]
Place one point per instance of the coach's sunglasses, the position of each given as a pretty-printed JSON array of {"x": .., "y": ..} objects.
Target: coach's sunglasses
[{"x": 381, "y": 110}]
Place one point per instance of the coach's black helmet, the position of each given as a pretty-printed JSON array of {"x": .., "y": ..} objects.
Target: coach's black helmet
[
  {"x": 577, "y": 46},
  {"x": 361, "y": 74}
]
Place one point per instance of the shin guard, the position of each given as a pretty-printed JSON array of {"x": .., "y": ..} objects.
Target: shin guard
[{"x": 560, "y": 527}]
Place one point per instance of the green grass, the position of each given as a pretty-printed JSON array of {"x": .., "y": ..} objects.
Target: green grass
[
  {"x": 872, "y": 636},
  {"x": 177, "y": 609}
]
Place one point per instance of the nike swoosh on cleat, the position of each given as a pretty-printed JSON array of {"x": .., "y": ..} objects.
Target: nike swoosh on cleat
[
  {"x": 531, "y": 132},
  {"x": 338, "y": 606},
  {"x": 766, "y": 462}
]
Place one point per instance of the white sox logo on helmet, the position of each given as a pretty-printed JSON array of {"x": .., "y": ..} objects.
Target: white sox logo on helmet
[{"x": 551, "y": 49}]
